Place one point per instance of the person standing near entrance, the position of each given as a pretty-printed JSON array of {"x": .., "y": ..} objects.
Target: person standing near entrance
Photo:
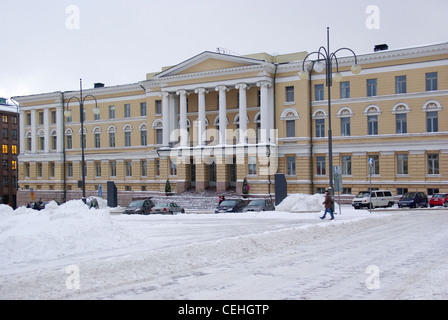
[{"x": 328, "y": 205}]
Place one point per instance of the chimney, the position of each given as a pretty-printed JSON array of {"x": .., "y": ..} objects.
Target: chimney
[
  {"x": 98, "y": 85},
  {"x": 381, "y": 47}
]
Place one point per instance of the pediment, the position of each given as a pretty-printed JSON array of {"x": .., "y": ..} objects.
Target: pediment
[{"x": 208, "y": 62}]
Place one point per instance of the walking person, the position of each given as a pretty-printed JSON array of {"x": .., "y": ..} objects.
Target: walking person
[{"x": 328, "y": 205}]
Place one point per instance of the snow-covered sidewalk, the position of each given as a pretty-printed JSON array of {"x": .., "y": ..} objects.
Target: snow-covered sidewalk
[{"x": 71, "y": 252}]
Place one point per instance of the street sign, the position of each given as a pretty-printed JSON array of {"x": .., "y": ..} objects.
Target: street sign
[
  {"x": 100, "y": 190},
  {"x": 337, "y": 174}
]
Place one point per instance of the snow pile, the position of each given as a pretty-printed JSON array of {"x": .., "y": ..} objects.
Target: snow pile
[{"x": 302, "y": 203}]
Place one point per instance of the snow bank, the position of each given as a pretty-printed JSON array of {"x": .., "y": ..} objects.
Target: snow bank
[{"x": 302, "y": 203}]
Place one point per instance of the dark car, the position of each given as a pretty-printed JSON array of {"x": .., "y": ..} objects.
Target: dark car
[
  {"x": 413, "y": 200},
  {"x": 259, "y": 205},
  {"x": 439, "y": 199},
  {"x": 139, "y": 207},
  {"x": 230, "y": 206}
]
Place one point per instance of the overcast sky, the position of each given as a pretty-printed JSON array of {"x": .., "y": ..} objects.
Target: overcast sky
[{"x": 48, "y": 46}]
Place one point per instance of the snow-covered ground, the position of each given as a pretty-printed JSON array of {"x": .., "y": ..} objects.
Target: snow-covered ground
[{"x": 72, "y": 252}]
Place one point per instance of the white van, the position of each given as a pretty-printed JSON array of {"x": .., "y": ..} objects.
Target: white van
[{"x": 380, "y": 198}]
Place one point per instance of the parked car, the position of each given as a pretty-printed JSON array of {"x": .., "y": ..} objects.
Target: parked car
[
  {"x": 439, "y": 199},
  {"x": 378, "y": 198},
  {"x": 139, "y": 207},
  {"x": 167, "y": 207},
  {"x": 259, "y": 205},
  {"x": 413, "y": 200},
  {"x": 230, "y": 206}
]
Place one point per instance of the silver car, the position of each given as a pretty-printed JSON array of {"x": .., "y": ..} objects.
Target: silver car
[
  {"x": 259, "y": 205},
  {"x": 167, "y": 208}
]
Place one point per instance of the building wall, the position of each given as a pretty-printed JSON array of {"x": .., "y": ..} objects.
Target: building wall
[{"x": 271, "y": 107}]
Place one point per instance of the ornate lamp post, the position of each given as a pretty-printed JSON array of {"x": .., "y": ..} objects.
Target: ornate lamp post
[
  {"x": 325, "y": 61},
  {"x": 68, "y": 114}
]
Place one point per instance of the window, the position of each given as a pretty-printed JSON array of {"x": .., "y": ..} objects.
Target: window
[
  {"x": 376, "y": 164},
  {"x": 112, "y": 139},
  {"x": 4, "y": 118},
  {"x": 53, "y": 117},
  {"x": 39, "y": 170},
  {"x": 127, "y": 110},
  {"x": 143, "y": 137},
  {"x": 345, "y": 90},
  {"x": 52, "y": 169},
  {"x": 53, "y": 141},
  {"x": 400, "y": 84},
  {"x": 5, "y": 164},
  {"x": 252, "y": 165},
  {"x": 289, "y": 94},
  {"x": 143, "y": 109},
  {"x": 402, "y": 164},
  {"x": 371, "y": 87},
  {"x": 5, "y": 148},
  {"x": 14, "y": 133},
  {"x": 97, "y": 140},
  {"x": 401, "y": 123},
  {"x": 345, "y": 126},
  {"x": 433, "y": 163},
  {"x": 431, "y": 81},
  {"x": 113, "y": 168},
  {"x": 157, "y": 167},
  {"x": 41, "y": 118},
  {"x": 128, "y": 165},
  {"x": 41, "y": 143},
  {"x": 291, "y": 166},
  {"x": 372, "y": 125},
  {"x": 158, "y": 107},
  {"x": 319, "y": 92},
  {"x": 346, "y": 165},
  {"x": 14, "y": 165},
  {"x": 28, "y": 142},
  {"x": 83, "y": 140},
  {"x": 69, "y": 142},
  {"x": 27, "y": 170},
  {"x": 96, "y": 117},
  {"x": 432, "y": 121},
  {"x": 97, "y": 169},
  {"x": 290, "y": 128},
  {"x": 320, "y": 128},
  {"x": 320, "y": 166},
  {"x": 28, "y": 119},
  {"x": 5, "y": 133},
  {"x": 173, "y": 167},
  {"x": 127, "y": 138},
  {"x": 69, "y": 169},
  {"x": 144, "y": 167},
  {"x": 111, "y": 112}
]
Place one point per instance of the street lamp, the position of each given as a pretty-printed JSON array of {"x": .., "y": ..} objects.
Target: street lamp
[
  {"x": 68, "y": 114},
  {"x": 325, "y": 61}
]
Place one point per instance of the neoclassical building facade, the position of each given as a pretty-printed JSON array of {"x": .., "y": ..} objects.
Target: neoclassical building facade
[{"x": 215, "y": 119}]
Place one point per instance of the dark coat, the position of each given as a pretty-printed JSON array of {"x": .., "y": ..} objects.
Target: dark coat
[{"x": 327, "y": 202}]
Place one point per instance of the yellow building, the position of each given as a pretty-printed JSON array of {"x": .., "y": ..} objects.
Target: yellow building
[{"x": 215, "y": 119}]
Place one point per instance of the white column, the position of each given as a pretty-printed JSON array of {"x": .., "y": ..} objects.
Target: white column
[
  {"x": 22, "y": 132},
  {"x": 264, "y": 109},
  {"x": 33, "y": 131},
  {"x": 222, "y": 113},
  {"x": 183, "y": 118},
  {"x": 165, "y": 119},
  {"x": 201, "y": 115},
  {"x": 46, "y": 130},
  {"x": 59, "y": 128},
  {"x": 173, "y": 106},
  {"x": 242, "y": 112}
]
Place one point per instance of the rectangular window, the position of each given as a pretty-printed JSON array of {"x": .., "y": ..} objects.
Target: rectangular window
[
  {"x": 69, "y": 169},
  {"x": 5, "y": 148},
  {"x": 5, "y": 133},
  {"x": 320, "y": 166},
  {"x": 69, "y": 142},
  {"x": 371, "y": 87},
  {"x": 372, "y": 125},
  {"x": 96, "y": 117},
  {"x": 97, "y": 169},
  {"x": 345, "y": 126},
  {"x": 252, "y": 165},
  {"x": 41, "y": 143},
  {"x": 39, "y": 170},
  {"x": 53, "y": 117},
  {"x": 290, "y": 128},
  {"x": 159, "y": 136},
  {"x": 157, "y": 167},
  {"x": 28, "y": 119},
  {"x": 291, "y": 166},
  {"x": 346, "y": 165},
  {"x": 345, "y": 90},
  {"x": 173, "y": 167},
  {"x": 111, "y": 112},
  {"x": 401, "y": 123},
  {"x": 127, "y": 110},
  {"x": 158, "y": 107},
  {"x": 432, "y": 121},
  {"x": 41, "y": 117},
  {"x": 113, "y": 168},
  {"x": 97, "y": 140},
  {"x": 143, "y": 138},
  {"x": 319, "y": 92},
  {"x": 128, "y": 165},
  {"x": 144, "y": 167},
  {"x": 433, "y": 164},
  {"x": 112, "y": 139},
  {"x": 402, "y": 164},
  {"x": 52, "y": 169},
  {"x": 320, "y": 128},
  {"x": 289, "y": 94},
  {"x": 127, "y": 139},
  {"x": 143, "y": 109},
  {"x": 376, "y": 164},
  {"x": 400, "y": 84},
  {"x": 431, "y": 81}
]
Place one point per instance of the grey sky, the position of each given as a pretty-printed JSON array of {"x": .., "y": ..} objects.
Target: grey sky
[{"x": 119, "y": 41}]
